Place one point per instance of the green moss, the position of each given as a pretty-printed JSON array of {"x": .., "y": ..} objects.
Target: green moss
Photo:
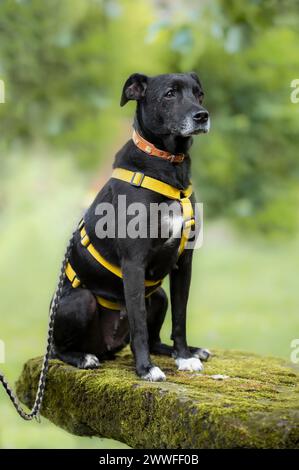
[{"x": 257, "y": 406}]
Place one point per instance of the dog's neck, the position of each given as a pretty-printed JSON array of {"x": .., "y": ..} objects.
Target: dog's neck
[
  {"x": 171, "y": 143},
  {"x": 175, "y": 174}
]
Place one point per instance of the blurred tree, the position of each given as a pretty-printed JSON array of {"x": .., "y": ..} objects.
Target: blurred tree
[
  {"x": 64, "y": 63},
  {"x": 246, "y": 55},
  {"x": 52, "y": 57}
]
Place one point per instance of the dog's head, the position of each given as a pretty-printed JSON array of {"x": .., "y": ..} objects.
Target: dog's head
[{"x": 169, "y": 104}]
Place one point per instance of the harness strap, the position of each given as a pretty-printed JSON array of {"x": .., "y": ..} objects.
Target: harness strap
[
  {"x": 101, "y": 260},
  {"x": 72, "y": 276},
  {"x": 108, "y": 303},
  {"x": 139, "y": 179},
  {"x": 76, "y": 282},
  {"x": 188, "y": 222}
]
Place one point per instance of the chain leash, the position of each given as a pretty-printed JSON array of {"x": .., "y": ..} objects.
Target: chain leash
[{"x": 35, "y": 411}]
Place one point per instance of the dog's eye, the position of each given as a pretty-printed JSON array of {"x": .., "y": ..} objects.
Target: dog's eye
[
  {"x": 198, "y": 94},
  {"x": 170, "y": 93}
]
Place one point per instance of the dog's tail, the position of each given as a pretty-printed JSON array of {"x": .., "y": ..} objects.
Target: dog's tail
[{"x": 35, "y": 411}]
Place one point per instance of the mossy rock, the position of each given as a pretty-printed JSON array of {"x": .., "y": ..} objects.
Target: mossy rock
[{"x": 256, "y": 406}]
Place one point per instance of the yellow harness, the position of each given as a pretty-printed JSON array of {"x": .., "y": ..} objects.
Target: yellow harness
[{"x": 137, "y": 179}]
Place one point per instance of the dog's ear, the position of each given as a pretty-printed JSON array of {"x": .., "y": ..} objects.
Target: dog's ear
[
  {"x": 195, "y": 77},
  {"x": 134, "y": 88}
]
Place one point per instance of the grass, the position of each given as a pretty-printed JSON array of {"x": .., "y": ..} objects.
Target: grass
[{"x": 244, "y": 291}]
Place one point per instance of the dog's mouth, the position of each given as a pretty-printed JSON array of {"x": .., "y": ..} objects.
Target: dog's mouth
[
  {"x": 201, "y": 130},
  {"x": 188, "y": 131}
]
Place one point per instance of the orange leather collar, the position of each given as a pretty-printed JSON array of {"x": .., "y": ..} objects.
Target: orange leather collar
[{"x": 150, "y": 149}]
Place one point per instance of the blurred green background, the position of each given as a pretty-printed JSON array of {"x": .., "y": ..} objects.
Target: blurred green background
[{"x": 64, "y": 63}]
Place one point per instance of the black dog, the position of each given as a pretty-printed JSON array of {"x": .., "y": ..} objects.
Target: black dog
[{"x": 111, "y": 294}]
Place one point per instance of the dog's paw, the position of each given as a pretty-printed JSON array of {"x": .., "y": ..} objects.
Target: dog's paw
[
  {"x": 201, "y": 353},
  {"x": 192, "y": 364},
  {"x": 155, "y": 374},
  {"x": 89, "y": 361}
]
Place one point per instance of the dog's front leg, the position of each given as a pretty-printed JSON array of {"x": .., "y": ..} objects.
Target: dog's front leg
[
  {"x": 133, "y": 277},
  {"x": 180, "y": 279}
]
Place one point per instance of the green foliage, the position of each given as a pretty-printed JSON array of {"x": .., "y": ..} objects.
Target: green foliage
[
  {"x": 52, "y": 60},
  {"x": 60, "y": 61},
  {"x": 247, "y": 56},
  {"x": 64, "y": 63}
]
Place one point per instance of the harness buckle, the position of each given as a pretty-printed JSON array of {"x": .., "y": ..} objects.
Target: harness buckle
[
  {"x": 85, "y": 241},
  {"x": 72, "y": 276},
  {"x": 188, "y": 223},
  {"x": 76, "y": 282},
  {"x": 137, "y": 179}
]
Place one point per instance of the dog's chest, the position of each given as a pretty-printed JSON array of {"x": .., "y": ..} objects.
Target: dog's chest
[
  {"x": 164, "y": 250},
  {"x": 171, "y": 228}
]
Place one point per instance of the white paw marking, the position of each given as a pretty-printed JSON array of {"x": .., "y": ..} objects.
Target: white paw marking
[
  {"x": 191, "y": 364},
  {"x": 90, "y": 362},
  {"x": 155, "y": 375}
]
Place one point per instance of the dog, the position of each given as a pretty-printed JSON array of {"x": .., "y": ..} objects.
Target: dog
[{"x": 112, "y": 293}]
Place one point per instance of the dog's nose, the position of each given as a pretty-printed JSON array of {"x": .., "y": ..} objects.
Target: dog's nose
[{"x": 201, "y": 117}]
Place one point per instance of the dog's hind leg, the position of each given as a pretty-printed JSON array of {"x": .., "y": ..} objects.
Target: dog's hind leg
[
  {"x": 74, "y": 327},
  {"x": 157, "y": 305}
]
